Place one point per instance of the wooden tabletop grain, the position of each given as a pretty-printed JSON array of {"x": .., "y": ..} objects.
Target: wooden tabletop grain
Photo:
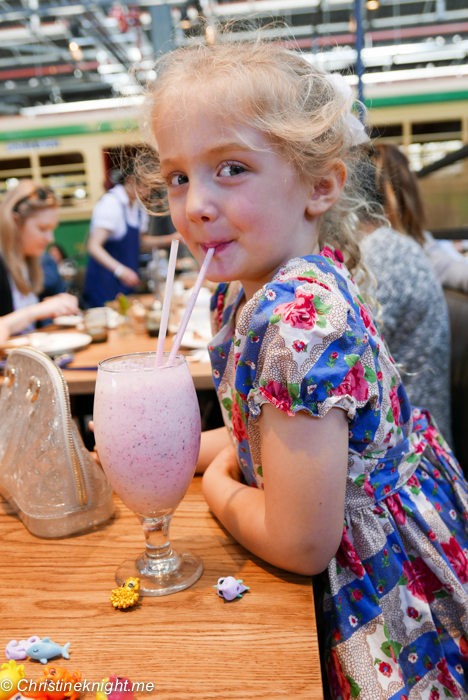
[
  {"x": 192, "y": 645},
  {"x": 83, "y": 382}
]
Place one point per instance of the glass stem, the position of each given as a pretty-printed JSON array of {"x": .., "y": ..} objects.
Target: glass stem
[{"x": 158, "y": 547}]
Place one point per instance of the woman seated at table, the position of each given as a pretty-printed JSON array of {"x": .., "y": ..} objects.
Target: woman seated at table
[
  {"x": 28, "y": 217},
  {"x": 417, "y": 332},
  {"x": 401, "y": 197}
]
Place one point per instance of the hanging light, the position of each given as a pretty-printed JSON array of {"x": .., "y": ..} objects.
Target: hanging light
[
  {"x": 372, "y": 4},
  {"x": 76, "y": 52}
]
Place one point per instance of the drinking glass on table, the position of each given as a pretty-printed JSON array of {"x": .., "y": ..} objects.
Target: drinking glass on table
[
  {"x": 147, "y": 428},
  {"x": 95, "y": 323}
]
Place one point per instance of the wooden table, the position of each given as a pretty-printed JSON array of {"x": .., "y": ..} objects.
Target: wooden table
[
  {"x": 192, "y": 645},
  {"x": 83, "y": 381}
]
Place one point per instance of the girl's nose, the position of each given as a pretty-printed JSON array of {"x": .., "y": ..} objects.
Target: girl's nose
[{"x": 200, "y": 207}]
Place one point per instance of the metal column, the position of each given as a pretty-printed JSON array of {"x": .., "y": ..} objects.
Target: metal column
[
  {"x": 359, "y": 47},
  {"x": 161, "y": 28}
]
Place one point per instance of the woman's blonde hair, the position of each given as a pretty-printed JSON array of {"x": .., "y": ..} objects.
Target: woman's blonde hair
[
  {"x": 399, "y": 190},
  {"x": 17, "y": 205},
  {"x": 277, "y": 92}
]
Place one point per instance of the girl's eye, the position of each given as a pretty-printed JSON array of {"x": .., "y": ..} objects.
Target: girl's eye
[
  {"x": 231, "y": 170},
  {"x": 177, "y": 180}
]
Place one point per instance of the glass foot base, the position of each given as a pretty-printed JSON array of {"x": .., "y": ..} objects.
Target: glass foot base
[{"x": 187, "y": 568}]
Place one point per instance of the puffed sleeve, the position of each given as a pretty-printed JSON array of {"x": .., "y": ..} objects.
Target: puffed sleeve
[
  {"x": 307, "y": 345},
  {"x": 222, "y": 304},
  {"x": 107, "y": 214}
]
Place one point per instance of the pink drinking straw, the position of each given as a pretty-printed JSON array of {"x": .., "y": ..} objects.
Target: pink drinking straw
[
  {"x": 191, "y": 304},
  {"x": 167, "y": 301}
]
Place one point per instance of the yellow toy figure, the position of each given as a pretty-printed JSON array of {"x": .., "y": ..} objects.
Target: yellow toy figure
[
  {"x": 10, "y": 675},
  {"x": 127, "y": 595}
]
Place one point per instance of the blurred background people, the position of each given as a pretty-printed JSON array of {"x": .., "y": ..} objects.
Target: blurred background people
[
  {"x": 118, "y": 228},
  {"x": 411, "y": 303},
  {"x": 401, "y": 198},
  {"x": 53, "y": 283},
  {"x": 28, "y": 217}
]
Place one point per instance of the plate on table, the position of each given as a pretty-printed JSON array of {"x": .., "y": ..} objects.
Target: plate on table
[
  {"x": 50, "y": 343},
  {"x": 67, "y": 321}
]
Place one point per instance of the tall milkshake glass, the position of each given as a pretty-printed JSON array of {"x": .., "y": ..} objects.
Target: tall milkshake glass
[{"x": 147, "y": 428}]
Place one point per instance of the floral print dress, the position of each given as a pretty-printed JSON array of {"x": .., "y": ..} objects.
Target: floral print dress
[{"x": 396, "y": 603}]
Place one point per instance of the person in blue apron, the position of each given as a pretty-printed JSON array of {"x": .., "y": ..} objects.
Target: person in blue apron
[{"x": 117, "y": 223}]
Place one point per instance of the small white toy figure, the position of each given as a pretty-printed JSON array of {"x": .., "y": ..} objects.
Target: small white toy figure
[{"x": 229, "y": 588}]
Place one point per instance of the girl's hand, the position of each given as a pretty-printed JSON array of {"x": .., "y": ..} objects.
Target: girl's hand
[{"x": 225, "y": 464}]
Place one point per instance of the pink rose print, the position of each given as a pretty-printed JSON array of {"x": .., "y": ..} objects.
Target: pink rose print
[
  {"x": 431, "y": 436},
  {"x": 238, "y": 425},
  {"x": 419, "y": 447},
  {"x": 422, "y": 582},
  {"x": 357, "y": 594},
  {"x": 387, "y": 488},
  {"x": 280, "y": 394},
  {"x": 385, "y": 668},
  {"x": 435, "y": 695},
  {"x": 367, "y": 487},
  {"x": 414, "y": 481},
  {"x": 432, "y": 535},
  {"x": 457, "y": 559},
  {"x": 354, "y": 384},
  {"x": 339, "y": 684},
  {"x": 395, "y": 507},
  {"x": 379, "y": 376},
  {"x": 300, "y": 313},
  {"x": 299, "y": 346},
  {"x": 236, "y": 359},
  {"x": 388, "y": 436},
  {"x": 412, "y": 612},
  {"x": 219, "y": 308},
  {"x": 366, "y": 317},
  {"x": 446, "y": 679},
  {"x": 346, "y": 556},
  {"x": 464, "y": 646},
  {"x": 395, "y": 405},
  {"x": 335, "y": 256}
]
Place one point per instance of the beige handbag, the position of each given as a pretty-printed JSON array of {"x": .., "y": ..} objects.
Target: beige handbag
[{"x": 46, "y": 473}]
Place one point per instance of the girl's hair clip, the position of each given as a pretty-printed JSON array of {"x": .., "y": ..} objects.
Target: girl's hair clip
[{"x": 358, "y": 130}]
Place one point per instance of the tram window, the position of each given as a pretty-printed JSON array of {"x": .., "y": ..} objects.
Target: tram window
[
  {"x": 66, "y": 174},
  {"x": 422, "y": 154},
  {"x": 445, "y": 127},
  {"x": 386, "y": 131},
  {"x": 12, "y": 170}
]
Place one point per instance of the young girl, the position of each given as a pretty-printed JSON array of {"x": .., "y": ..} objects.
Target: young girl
[{"x": 256, "y": 150}]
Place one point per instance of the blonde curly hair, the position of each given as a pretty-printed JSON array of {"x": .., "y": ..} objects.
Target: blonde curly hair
[{"x": 277, "y": 92}]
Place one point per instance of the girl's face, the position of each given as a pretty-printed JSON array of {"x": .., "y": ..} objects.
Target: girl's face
[
  {"x": 37, "y": 231},
  {"x": 230, "y": 191}
]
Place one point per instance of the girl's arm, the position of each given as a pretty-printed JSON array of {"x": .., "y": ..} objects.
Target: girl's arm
[
  {"x": 212, "y": 443},
  {"x": 296, "y": 523}
]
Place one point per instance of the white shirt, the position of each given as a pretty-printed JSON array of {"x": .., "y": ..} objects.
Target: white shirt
[
  {"x": 20, "y": 300},
  {"x": 113, "y": 212}
]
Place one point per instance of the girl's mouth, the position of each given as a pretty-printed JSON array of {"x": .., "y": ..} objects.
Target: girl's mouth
[{"x": 218, "y": 248}]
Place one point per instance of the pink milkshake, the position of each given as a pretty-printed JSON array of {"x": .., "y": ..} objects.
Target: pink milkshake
[{"x": 147, "y": 428}]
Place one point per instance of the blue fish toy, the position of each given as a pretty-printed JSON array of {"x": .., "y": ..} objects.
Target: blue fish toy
[{"x": 45, "y": 649}]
